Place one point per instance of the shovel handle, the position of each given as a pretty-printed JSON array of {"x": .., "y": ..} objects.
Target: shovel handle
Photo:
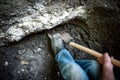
[{"x": 93, "y": 53}]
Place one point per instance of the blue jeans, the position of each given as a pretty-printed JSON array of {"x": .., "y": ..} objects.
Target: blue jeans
[{"x": 77, "y": 69}]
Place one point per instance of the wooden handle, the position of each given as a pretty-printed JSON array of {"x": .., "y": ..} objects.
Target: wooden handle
[{"x": 93, "y": 53}]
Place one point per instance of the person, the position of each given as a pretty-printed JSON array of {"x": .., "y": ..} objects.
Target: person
[{"x": 81, "y": 69}]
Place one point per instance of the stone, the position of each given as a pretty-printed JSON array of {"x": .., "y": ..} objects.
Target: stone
[
  {"x": 41, "y": 18},
  {"x": 24, "y": 62},
  {"x": 6, "y": 63}
]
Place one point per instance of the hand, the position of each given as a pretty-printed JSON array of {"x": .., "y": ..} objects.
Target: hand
[
  {"x": 107, "y": 73},
  {"x": 105, "y": 60}
]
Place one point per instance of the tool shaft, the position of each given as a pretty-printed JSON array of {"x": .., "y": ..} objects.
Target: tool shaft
[{"x": 93, "y": 53}]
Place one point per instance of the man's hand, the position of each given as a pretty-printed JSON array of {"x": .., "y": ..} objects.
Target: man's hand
[{"x": 105, "y": 60}]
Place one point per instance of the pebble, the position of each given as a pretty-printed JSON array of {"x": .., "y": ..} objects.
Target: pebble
[
  {"x": 105, "y": 5},
  {"x": 24, "y": 62},
  {"x": 22, "y": 70},
  {"x": 45, "y": 78},
  {"x": 6, "y": 63},
  {"x": 3, "y": 21},
  {"x": 39, "y": 49},
  {"x": 18, "y": 71}
]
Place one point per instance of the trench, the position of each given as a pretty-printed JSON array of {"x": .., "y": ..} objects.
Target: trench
[{"x": 100, "y": 32}]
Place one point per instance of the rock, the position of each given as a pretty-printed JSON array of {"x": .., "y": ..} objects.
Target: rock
[
  {"x": 6, "y": 63},
  {"x": 24, "y": 62},
  {"x": 42, "y": 17}
]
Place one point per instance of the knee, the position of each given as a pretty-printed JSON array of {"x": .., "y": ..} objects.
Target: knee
[
  {"x": 71, "y": 69},
  {"x": 74, "y": 72}
]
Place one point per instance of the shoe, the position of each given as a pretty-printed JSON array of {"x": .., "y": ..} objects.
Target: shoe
[{"x": 56, "y": 43}]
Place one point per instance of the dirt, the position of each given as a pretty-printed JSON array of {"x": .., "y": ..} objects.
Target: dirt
[
  {"x": 36, "y": 50},
  {"x": 32, "y": 58}
]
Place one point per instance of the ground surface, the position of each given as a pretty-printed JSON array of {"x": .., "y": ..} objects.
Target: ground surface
[{"x": 32, "y": 58}]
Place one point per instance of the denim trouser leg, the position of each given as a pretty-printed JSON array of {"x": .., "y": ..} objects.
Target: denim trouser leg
[
  {"x": 91, "y": 67},
  {"x": 78, "y": 69},
  {"x": 69, "y": 69}
]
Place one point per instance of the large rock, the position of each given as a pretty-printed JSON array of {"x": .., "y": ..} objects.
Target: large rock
[
  {"x": 34, "y": 16},
  {"x": 21, "y": 18}
]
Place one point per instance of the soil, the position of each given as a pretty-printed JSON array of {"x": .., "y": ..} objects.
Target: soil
[
  {"x": 36, "y": 50},
  {"x": 32, "y": 58}
]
